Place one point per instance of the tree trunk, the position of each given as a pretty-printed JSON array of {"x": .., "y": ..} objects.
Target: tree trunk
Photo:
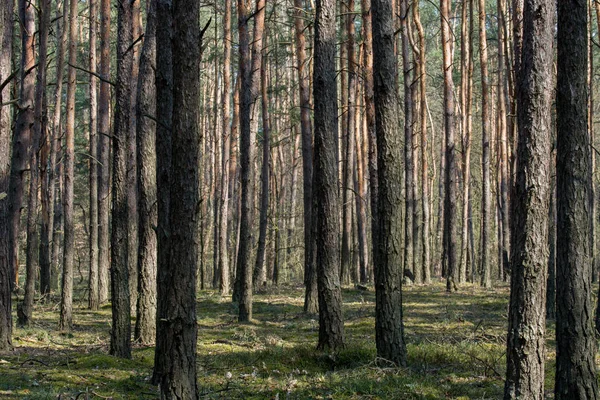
[
  {"x": 94, "y": 298},
  {"x": 526, "y": 319},
  {"x": 164, "y": 113},
  {"x": 225, "y": 100},
  {"x": 104, "y": 130},
  {"x": 180, "y": 329},
  {"x": 145, "y": 324},
  {"x": 120, "y": 337},
  {"x": 326, "y": 175},
  {"x": 21, "y": 145},
  {"x": 451, "y": 209},
  {"x": 551, "y": 282},
  {"x": 6, "y": 37},
  {"x": 389, "y": 329},
  {"x": 486, "y": 269},
  {"x": 66, "y": 304},
  {"x": 575, "y": 337},
  {"x": 25, "y": 309}
]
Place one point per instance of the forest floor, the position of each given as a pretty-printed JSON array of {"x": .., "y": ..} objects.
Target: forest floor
[{"x": 456, "y": 350}]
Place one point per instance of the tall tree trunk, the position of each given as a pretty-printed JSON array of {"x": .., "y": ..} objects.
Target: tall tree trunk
[
  {"x": 180, "y": 329},
  {"x": 551, "y": 281},
  {"x": 575, "y": 337},
  {"x": 349, "y": 145},
  {"x": 120, "y": 336},
  {"x": 260, "y": 272},
  {"x": 25, "y": 310},
  {"x": 389, "y": 328},
  {"x": 249, "y": 89},
  {"x": 145, "y": 324},
  {"x": 94, "y": 298},
  {"x": 486, "y": 269},
  {"x": 451, "y": 209},
  {"x": 529, "y": 207},
  {"x": 326, "y": 175},
  {"x": 422, "y": 75},
  {"x": 164, "y": 113},
  {"x": 226, "y": 149},
  {"x": 104, "y": 130},
  {"x": 310, "y": 282},
  {"x": 6, "y": 37},
  {"x": 21, "y": 145},
  {"x": 66, "y": 304}
]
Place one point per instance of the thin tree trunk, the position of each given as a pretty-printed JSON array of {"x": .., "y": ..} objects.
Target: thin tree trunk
[
  {"x": 6, "y": 38},
  {"x": 104, "y": 130},
  {"x": 94, "y": 298},
  {"x": 66, "y": 304},
  {"x": 120, "y": 337},
  {"x": 575, "y": 337},
  {"x": 145, "y": 324}
]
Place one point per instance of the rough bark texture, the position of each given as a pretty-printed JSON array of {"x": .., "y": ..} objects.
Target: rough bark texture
[
  {"x": 66, "y": 304},
  {"x": 120, "y": 336},
  {"x": 145, "y": 324},
  {"x": 179, "y": 377},
  {"x": 6, "y": 36},
  {"x": 93, "y": 299},
  {"x": 526, "y": 319},
  {"x": 310, "y": 293},
  {"x": 326, "y": 173},
  {"x": 104, "y": 154},
  {"x": 486, "y": 269},
  {"x": 389, "y": 329},
  {"x": 21, "y": 145},
  {"x": 575, "y": 336},
  {"x": 551, "y": 281},
  {"x": 164, "y": 114},
  {"x": 451, "y": 212}
]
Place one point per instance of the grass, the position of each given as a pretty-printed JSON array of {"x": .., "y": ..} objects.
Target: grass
[{"x": 456, "y": 350}]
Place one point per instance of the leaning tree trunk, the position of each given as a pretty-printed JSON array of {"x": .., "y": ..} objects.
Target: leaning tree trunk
[
  {"x": 145, "y": 324},
  {"x": 120, "y": 336},
  {"x": 326, "y": 173},
  {"x": 526, "y": 319},
  {"x": 180, "y": 329},
  {"x": 575, "y": 337},
  {"x": 66, "y": 304},
  {"x": 389, "y": 328},
  {"x": 6, "y": 37}
]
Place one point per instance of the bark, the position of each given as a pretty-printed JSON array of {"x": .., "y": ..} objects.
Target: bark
[
  {"x": 94, "y": 298},
  {"x": 529, "y": 207},
  {"x": 451, "y": 209},
  {"x": 104, "y": 154},
  {"x": 310, "y": 294},
  {"x": 422, "y": 77},
  {"x": 180, "y": 329},
  {"x": 21, "y": 145},
  {"x": 551, "y": 281},
  {"x": 486, "y": 269},
  {"x": 226, "y": 149},
  {"x": 575, "y": 337},
  {"x": 66, "y": 304},
  {"x": 326, "y": 175},
  {"x": 389, "y": 328},
  {"x": 164, "y": 114},
  {"x": 260, "y": 272},
  {"x": 360, "y": 187},
  {"x": 145, "y": 324},
  {"x": 25, "y": 309},
  {"x": 120, "y": 337},
  {"x": 6, "y": 37}
]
